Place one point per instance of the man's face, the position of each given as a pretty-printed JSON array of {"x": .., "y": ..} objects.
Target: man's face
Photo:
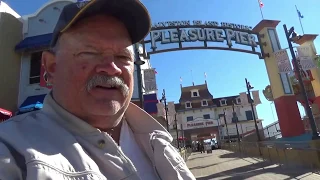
[{"x": 92, "y": 68}]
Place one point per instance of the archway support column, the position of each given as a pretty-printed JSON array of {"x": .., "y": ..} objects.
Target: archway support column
[{"x": 284, "y": 99}]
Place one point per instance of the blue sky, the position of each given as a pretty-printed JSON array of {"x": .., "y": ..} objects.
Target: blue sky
[{"x": 225, "y": 70}]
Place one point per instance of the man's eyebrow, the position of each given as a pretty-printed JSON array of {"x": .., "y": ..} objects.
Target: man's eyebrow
[{"x": 128, "y": 52}]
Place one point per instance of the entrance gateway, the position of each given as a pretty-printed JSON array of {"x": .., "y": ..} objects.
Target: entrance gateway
[{"x": 261, "y": 40}]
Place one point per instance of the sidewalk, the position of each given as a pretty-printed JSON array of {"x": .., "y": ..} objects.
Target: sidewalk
[{"x": 222, "y": 164}]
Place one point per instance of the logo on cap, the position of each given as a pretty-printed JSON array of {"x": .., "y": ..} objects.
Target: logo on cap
[{"x": 82, "y": 3}]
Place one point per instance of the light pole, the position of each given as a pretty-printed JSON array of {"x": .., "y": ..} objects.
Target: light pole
[
  {"x": 252, "y": 108},
  {"x": 177, "y": 132},
  {"x": 138, "y": 62},
  {"x": 165, "y": 107},
  {"x": 235, "y": 119},
  {"x": 225, "y": 122},
  {"x": 294, "y": 37}
]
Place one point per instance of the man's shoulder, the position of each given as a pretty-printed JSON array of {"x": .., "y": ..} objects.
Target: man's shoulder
[
  {"x": 22, "y": 118},
  {"x": 25, "y": 123}
]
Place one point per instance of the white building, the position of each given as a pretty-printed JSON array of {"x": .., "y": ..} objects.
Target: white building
[{"x": 200, "y": 116}]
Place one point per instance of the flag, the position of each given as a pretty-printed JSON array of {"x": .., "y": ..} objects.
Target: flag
[
  {"x": 181, "y": 79},
  {"x": 260, "y": 3},
  {"x": 155, "y": 72},
  {"x": 205, "y": 75},
  {"x": 299, "y": 14}
]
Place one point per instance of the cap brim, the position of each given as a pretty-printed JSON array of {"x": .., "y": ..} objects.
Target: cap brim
[{"x": 132, "y": 13}]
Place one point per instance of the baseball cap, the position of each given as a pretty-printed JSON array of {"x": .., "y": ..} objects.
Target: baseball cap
[{"x": 132, "y": 13}]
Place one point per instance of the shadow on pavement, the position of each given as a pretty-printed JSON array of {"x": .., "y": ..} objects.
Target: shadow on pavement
[
  {"x": 201, "y": 167},
  {"x": 238, "y": 155},
  {"x": 200, "y": 157},
  {"x": 255, "y": 169}
]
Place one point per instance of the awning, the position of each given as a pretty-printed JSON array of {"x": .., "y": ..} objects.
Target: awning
[
  {"x": 32, "y": 103},
  {"x": 34, "y": 42},
  {"x": 5, "y": 114}
]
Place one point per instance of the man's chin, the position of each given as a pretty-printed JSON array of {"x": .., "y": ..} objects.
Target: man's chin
[{"x": 105, "y": 108}]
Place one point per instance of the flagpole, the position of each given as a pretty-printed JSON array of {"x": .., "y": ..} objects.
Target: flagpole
[
  {"x": 192, "y": 77},
  {"x": 300, "y": 19},
  {"x": 261, "y": 12},
  {"x": 260, "y": 6}
]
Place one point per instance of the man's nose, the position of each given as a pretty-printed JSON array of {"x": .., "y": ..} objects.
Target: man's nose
[{"x": 108, "y": 66}]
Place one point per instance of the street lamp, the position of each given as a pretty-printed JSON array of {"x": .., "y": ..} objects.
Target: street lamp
[
  {"x": 225, "y": 122},
  {"x": 138, "y": 62},
  {"x": 177, "y": 132},
  {"x": 252, "y": 109},
  {"x": 235, "y": 119},
  {"x": 164, "y": 100},
  {"x": 294, "y": 37}
]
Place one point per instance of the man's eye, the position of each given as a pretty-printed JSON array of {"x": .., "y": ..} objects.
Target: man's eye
[
  {"x": 87, "y": 54},
  {"x": 123, "y": 57}
]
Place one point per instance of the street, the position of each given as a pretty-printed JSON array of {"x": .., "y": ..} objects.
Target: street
[{"x": 223, "y": 164}]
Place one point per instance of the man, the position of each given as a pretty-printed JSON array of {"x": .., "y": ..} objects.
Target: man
[{"x": 88, "y": 129}]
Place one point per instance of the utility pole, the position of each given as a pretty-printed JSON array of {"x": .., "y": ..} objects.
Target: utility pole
[
  {"x": 294, "y": 37},
  {"x": 252, "y": 108},
  {"x": 235, "y": 119},
  {"x": 166, "y": 108},
  {"x": 177, "y": 132},
  {"x": 225, "y": 122},
  {"x": 138, "y": 62}
]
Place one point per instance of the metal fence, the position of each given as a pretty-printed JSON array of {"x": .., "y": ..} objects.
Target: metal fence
[
  {"x": 272, "y": 131},
  {"x": 304, "y": 154}
]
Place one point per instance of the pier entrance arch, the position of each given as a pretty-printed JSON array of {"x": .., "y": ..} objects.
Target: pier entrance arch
[{"x": 261, "y": 40}]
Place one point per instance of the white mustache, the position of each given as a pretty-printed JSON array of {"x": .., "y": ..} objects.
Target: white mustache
[{"x": 108, "y": 81}]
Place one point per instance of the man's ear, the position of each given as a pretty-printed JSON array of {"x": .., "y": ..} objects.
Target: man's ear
[{"x": 48, "y": 61}]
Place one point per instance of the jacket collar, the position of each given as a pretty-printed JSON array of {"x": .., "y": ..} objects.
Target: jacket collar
[{"x": 139, "y": 121}]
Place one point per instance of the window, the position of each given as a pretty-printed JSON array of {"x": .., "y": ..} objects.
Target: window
[
  {"x": 188, "y": 105},
  {"x": 223, "y": 102},
  {"x": 238, "y": 101},
  {"x": 206, "y": 116},
  {"x": 204, "y": 103},
  {"x": 194, "y": 93},
  {"x": 249, "y": 115},
  {"x": 35, "y": 66},
  {"x": 189, "y": 118}
]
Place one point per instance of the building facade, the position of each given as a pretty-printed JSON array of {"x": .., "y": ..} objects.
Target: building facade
[
  {"x": 201, "y": 116},
  {"x": 10, "y": 61}
]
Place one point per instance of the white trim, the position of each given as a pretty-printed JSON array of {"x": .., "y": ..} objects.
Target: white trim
[
  {"x": 46, "y": 5},
  {"x": 237, "y": 100},
  {"x": 195, "y": 90},
  {"x": 204, "y": 101},
  {"x": 185, "y": 104},
  {"x": 223, "y": 104}
]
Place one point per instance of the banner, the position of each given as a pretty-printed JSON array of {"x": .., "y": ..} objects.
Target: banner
[
  {"x": 244, "y": 99},
  {"x": 179, "y": 119},
  {"x": 283, "y": 61},
  {"x": 150, "y": 80},
  {"x": 229, "y": 115},
  {"x": 238, "y": 112},
  {"x": 171, "y": 108},
  {"x": 305, "y": 57},
  {"x": 256, "y": 97},
  {"x": 161, "y": 110}
]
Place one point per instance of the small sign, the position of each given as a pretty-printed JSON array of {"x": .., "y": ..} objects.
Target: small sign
[
  {"x": 283, "y": 61},
  {"x": 200, "y": 124},
  {"x": 305, "y": 57}
]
